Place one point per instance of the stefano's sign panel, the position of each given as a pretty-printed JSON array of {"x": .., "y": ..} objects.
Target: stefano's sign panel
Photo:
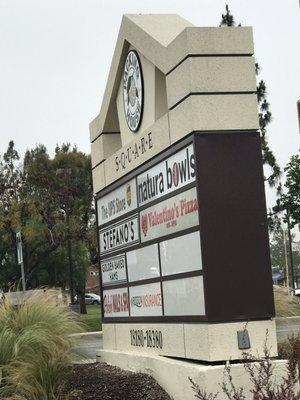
[
  {"x": 173, "y": 173},
  {"x": 118, "y": 202},
  {"x": 172, "y": 215},
  {"x": 113, "y": 270},
  {"x": 120, "y": 235}
]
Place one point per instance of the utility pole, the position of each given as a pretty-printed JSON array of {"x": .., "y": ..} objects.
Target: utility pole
[
  {"x": 286, "y": 261},
  {"x": 65, "y": 174},
  {"x": 20, "y": 258},
  {"x": 71, "y": 272},
  {"x": 291, "y": 252}
]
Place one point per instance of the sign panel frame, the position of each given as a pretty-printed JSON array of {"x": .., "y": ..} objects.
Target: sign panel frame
[
  {"x": 177, "y": 153},
  {"x": 230, "y": 190}
]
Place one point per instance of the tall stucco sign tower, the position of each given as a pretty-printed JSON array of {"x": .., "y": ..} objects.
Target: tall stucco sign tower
[{"x": 179, "y": 188}]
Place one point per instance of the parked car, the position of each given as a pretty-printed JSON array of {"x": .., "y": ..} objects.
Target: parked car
[{"x": 92, "y": 298}]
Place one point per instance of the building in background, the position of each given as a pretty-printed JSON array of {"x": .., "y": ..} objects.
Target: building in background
[{"x": 92, "y": 284}]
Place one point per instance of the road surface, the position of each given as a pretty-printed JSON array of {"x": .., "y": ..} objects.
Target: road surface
[
  {"x": 286, "y": 327},
  {"x": 86, "y": 346}
]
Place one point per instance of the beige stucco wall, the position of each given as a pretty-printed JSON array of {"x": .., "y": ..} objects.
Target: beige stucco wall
[
  {"x": 104, "y": 146},
  {"x": 209, "y": 342},
  {"x": 195, "y": 79},
  {"x": 173, "y": 375},
  {"x": 211, "y": 75}
]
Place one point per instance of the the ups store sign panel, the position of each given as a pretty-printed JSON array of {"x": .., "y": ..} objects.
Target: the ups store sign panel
[{"x": 184, "y": 237}]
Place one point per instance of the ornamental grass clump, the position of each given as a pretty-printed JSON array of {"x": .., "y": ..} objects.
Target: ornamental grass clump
[{"x": 35, "y": 346}]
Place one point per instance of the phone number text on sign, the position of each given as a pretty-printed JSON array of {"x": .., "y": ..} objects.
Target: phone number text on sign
[{"x": 151, "y": 338}]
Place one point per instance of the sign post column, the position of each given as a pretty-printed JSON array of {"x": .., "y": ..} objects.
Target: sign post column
[{"x": 20, "y": 258}]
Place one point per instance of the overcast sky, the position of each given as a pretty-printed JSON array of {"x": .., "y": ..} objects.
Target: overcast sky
[{"x": 55, "y": 57}]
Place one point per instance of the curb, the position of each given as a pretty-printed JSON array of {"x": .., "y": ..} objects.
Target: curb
[
  {"x": 83, "y": 334},
  {"x": 84, "y": 361}
]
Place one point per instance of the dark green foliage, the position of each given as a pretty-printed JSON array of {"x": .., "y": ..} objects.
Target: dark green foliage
[
  {"x": 39, "y": 197},
  {"x": 227, "y": 18},
  {"x": 265, "y": 116},
  {"x": 278, "y": 254},
  {"x": 289, "y": 202}
]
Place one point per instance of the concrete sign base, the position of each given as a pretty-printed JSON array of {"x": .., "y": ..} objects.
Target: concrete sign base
[
  {"x": 173, "y": 375},
  {"x": 210, "y": 342}
]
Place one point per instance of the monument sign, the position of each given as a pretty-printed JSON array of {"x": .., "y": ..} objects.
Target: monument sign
[{"x": 179, "y": 189}]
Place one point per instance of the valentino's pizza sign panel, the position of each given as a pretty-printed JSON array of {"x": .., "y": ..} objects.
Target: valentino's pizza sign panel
[{"x": 172, "y": 215}]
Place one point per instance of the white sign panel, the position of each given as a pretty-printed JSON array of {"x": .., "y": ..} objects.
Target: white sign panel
[
  {"x": 181, "y": 254},
  {"x": 113, "y": 270},
  {"x": 123, "y": 234},
  {"x": 171, "y": 215},
  {"x": 145, "y": 300},
  {"x": 184, "y": 296},
  {"x": 117, "y": 203},
  {"x": 171, "y": 174},
  {"x": 143, "y": 263},
  {"x": 115, "y": 303}
]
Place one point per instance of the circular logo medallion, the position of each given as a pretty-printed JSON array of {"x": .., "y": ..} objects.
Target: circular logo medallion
[{"x": 133, "y": 91}]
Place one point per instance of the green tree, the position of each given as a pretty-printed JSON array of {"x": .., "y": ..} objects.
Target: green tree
[
  {"x": 50, "y": 201},
  {"x": 265, "y": 115},
  {"x": 289, "y": 200},
  {"x": 10, "y": 188},
  {"x": 280, "y": 250}
]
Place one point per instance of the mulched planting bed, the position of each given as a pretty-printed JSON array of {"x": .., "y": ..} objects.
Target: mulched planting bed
[{"x": 100, "y": 381}]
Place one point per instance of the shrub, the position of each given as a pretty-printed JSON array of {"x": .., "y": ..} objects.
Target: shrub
[
  {"x": 261, "y": 374},
  {"x": 35, "y": 346}
]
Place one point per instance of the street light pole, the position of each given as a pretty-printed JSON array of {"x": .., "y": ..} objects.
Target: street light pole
[
  {"x": 286, "y": 261},
  {"x": 71, "y": 272},
  {"x": 291, "y": 251},
  {"x": 65, "y": 173}
]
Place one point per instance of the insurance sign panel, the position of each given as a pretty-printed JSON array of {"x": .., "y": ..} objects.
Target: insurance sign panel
[{"x": 145, "y": 300}]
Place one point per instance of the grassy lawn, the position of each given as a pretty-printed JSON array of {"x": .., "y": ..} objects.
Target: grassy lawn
[
  {"x": 286, "y": 305},
  {"x": 92, "y": 320}
]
